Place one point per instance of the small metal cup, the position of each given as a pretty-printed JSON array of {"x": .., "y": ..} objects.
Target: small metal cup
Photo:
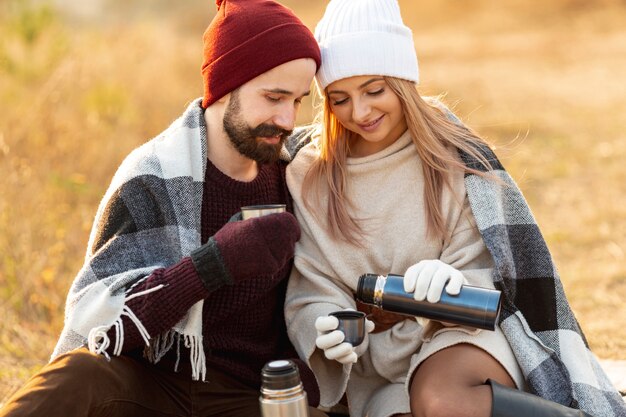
[
  {"x": 352, "y": 324},
  {"x": 248, "y": 212}
]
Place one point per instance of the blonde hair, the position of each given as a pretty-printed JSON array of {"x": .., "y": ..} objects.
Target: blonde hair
[{"x": 437, "y": 138}]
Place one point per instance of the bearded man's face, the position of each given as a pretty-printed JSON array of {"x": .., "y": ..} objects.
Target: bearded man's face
[{"x": 261, "y": 143}]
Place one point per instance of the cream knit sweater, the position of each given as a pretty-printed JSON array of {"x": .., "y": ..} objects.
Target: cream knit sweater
[{"x": 387, "y": 191}]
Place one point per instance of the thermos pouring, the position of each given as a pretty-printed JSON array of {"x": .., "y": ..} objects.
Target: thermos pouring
[{"x": 473, "y": 306}]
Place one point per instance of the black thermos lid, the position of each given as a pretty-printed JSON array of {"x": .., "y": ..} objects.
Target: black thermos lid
[
  {"x": 365, "y": 288},
  {"x": 280, "y": 375}
]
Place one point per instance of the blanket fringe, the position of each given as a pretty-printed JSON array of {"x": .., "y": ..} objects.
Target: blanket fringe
[
  {"x": 197, "y": 357},
  {"x": 156, "y": 347},
  {"x": 160, "y": 345},
  {"x": 98, "y": 340}
]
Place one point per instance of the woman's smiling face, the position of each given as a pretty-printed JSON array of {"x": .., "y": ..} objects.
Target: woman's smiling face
[{"x": 367, "y": 106}]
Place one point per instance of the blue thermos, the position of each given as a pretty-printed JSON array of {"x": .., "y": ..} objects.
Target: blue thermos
[{"x": 474, "y": 306}]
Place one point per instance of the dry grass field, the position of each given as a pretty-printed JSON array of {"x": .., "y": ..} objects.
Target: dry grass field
[{"x": 81, "y": 86}]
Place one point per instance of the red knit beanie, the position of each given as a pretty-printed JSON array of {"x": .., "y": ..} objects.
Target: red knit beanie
[{"x": 247, "y": 38}]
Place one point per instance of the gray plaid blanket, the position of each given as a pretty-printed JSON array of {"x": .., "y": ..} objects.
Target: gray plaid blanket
[
  {"x": 149, "y": 218},
  {"x": 536, "y": 317}
]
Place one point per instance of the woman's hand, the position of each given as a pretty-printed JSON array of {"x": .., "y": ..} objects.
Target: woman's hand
[
  {"x": 427, "y": 279},
  {"x": 331, "y": 340}
]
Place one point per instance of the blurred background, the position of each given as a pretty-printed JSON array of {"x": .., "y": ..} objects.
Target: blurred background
[{"x": 83, "y": 83}]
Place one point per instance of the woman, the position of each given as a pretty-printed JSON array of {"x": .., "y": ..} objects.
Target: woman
[{"x": 394, "y": 183}]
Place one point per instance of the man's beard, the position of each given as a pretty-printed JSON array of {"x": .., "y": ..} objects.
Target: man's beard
[{"x": 244, "y": 138}]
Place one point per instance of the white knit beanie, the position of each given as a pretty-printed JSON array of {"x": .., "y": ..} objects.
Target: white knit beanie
[{"x": 364, "y": 37}]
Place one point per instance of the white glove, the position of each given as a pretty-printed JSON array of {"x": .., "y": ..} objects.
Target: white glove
[
  {"x": 427, "y": 279},
  {"x": 331, "y": 341}
]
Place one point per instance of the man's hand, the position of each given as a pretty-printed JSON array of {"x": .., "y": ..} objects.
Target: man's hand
[{"x": 246, "y": 249}]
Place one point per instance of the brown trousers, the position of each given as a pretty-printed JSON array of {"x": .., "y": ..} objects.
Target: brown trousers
[{"x": 82, "y": 384}]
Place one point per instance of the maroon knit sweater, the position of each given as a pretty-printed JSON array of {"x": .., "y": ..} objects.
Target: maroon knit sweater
[{"x": 243, "y": 322}]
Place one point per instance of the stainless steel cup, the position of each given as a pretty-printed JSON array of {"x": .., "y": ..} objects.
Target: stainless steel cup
[
  {"x": 249, "y": 212},
  {"x": 352, "y": 324}
]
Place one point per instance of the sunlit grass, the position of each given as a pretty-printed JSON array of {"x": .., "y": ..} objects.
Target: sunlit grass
[{"x": 546, "y": 83}]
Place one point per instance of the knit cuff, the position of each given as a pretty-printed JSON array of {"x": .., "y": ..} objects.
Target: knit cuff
[{"x": 210, "y": 266}]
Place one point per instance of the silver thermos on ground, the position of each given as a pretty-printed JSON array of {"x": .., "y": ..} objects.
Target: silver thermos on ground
[
  {"x": 282, "y": 394},
  {"x": 473, "y": 306}
]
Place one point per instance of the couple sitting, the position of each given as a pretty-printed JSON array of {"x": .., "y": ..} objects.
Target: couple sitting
[{"x": 180, "y": 304}]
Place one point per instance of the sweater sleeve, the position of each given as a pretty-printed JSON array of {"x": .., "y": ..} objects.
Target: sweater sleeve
[
  {"x": 160, "y": 310},
  {"x": 310, "y": 295},
  {"x": 236, "y": 252},
  {"x": 465, "y": 250}
]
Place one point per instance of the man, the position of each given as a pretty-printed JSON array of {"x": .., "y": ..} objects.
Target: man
[{"x": 178, "y": 305}]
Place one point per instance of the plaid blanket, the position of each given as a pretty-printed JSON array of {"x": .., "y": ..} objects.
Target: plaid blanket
[
  {"x": 149, "y": 218},
  {"x": 536, "y": 318}
]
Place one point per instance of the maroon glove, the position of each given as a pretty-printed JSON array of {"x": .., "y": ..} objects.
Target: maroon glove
[{"x": 247, "y": 248}]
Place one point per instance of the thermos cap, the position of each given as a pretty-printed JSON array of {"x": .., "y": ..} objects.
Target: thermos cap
[
  {"x": 280, "y": 375},
  {"x": 366, "y": 288}
]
